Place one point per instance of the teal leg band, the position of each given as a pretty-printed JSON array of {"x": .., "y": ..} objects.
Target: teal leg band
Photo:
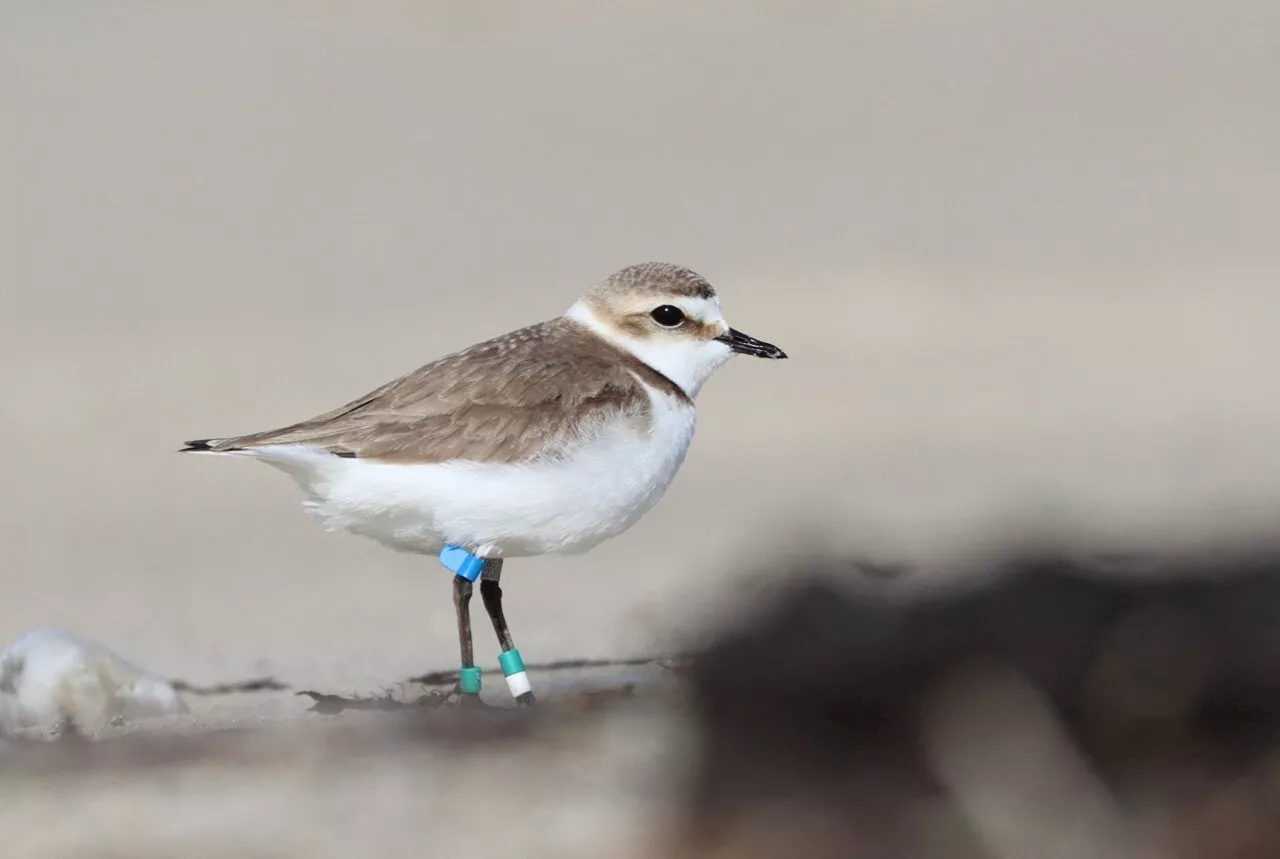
[
  {"x": 469, "y": 680},
  {"x": 517, "y": 679},
  {"x": 511, "y": 662}
]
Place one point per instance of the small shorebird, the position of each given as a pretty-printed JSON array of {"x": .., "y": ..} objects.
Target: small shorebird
[{"x": 546, "y": 440}]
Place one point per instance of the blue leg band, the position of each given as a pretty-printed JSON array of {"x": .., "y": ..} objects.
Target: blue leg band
[{"x": 461, "y": 562}]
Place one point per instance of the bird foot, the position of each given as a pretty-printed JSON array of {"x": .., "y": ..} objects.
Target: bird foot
[
  {"x": 471, "y": 701},
  {"x": 465, "y": 700}
]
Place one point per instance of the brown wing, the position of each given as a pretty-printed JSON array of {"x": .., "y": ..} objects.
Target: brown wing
[{"x": 504, "y": 400}]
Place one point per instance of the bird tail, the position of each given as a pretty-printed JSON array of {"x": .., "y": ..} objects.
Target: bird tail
[{"x": 211, "y": 445}]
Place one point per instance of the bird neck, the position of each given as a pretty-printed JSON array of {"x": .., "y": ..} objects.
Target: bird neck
[{"x": 687, "y": 363}]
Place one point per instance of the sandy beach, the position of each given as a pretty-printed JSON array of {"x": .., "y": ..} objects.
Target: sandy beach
[{"x": 1022, "y": 257}]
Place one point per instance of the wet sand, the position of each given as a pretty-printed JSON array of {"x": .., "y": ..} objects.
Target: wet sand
[{"x": 1022, "y": 257}]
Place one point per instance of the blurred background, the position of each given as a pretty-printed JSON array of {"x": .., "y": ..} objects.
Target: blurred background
[{"x": 1022, "y": 255}]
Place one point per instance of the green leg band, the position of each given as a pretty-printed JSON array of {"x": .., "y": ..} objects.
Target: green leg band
[
  {"x": 511, "y": 662},
  {"x": 513, "y": 670},
  {"x": 469, "y": 680}
]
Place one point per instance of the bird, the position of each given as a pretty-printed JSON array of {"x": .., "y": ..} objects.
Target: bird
[{"x": 546, "y": 440}]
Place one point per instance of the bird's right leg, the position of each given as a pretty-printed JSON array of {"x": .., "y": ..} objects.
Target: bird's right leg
[{"x": 469, "y": 675}]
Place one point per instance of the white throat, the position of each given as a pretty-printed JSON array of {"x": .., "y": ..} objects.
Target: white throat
[{"x": 688, "y": 363}]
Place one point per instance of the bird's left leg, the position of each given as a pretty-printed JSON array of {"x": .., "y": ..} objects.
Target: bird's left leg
[{"x": 512, "y": 665}]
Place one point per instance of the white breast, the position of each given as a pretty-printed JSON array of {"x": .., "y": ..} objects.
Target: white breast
[{"x": 563, "y": 506}]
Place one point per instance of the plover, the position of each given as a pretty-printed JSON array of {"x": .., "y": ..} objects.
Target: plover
[{"x": 546, "y": 440}]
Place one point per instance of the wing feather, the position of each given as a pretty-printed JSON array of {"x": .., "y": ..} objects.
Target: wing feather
[{"x": 509, "y": 399}]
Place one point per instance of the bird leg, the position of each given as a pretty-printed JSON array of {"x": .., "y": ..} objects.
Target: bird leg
[
  {"x": 512, "y": 665},
  {"x": 469, "y": 676}
]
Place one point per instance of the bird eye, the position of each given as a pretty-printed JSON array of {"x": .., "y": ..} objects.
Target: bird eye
[{"x": 667, "y": 316}]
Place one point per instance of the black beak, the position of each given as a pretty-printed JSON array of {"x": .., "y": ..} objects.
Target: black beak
[{"x": 740, "y": 342}]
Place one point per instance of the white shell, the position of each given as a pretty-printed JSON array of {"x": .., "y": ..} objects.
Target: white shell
[{"x": 48, "y": 676}]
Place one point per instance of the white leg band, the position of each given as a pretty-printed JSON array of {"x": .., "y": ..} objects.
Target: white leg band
[{"x": 519, "y": 684}]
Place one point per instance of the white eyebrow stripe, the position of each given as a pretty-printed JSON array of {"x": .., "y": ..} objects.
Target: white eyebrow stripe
[{"x": 701, "y": 309}]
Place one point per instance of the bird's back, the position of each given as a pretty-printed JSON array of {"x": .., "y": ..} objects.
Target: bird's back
[{"x": 507, "y": 399}]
